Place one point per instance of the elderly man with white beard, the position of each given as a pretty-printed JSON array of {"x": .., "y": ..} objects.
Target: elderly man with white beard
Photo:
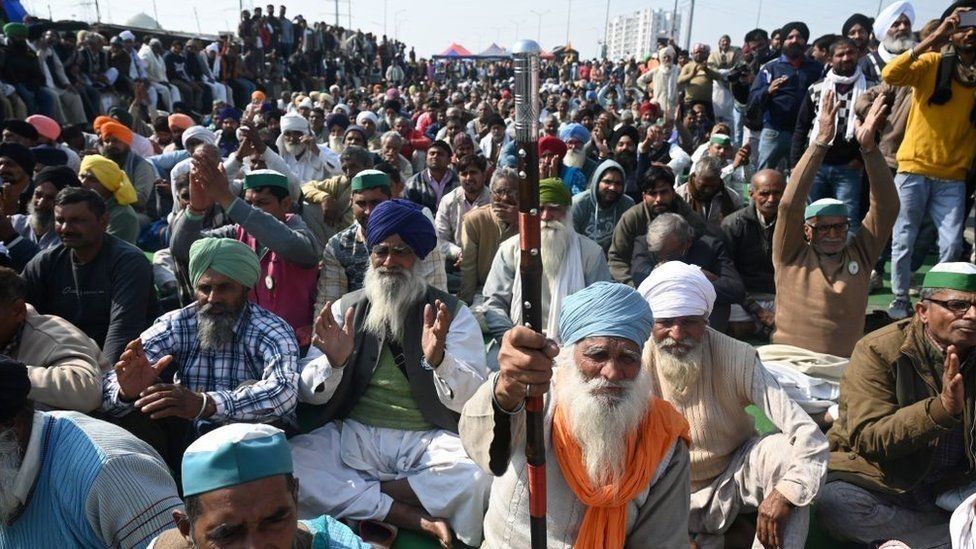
[
  {"x": 296, "y": 145},
  {"x": 570, "y": 262},
  {"x": 390, "y": 369},
  {"x": 67, "y": 480},
  {"x": 617, "y": 473},
  {"x": 893, "y": 28},
  {"x": 710, "y": 378}
]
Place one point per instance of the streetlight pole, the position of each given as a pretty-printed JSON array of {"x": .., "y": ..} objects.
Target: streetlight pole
[
  {"x": 539, "y": 14},
  {"x": 758, "y": 14},
  {"x": 606, "y": 29},
  {"x": 691, "y": 21},
  {"x": 517, "y": 24},
  {"x": 569, "y": 9}
]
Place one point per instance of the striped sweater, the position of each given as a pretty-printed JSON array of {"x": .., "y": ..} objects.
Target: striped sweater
[{"x": 95, "y": 485}]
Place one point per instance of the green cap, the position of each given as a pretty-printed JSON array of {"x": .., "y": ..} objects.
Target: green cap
[
  {"x": 954, "y": 276},
  {"x": 553, "y": 191},
  {"x": 825, "y": 207},
  {"x": 265, "y": 178},
  {"x": 15, "y": 30},
  {"x": 720, "y": 139},
  {"x": 370, "y": 179}
]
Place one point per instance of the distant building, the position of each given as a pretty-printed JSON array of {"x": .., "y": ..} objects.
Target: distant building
[{"x": 638, "y": 33}]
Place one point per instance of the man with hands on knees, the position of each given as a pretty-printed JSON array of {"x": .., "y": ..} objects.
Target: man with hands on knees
[
  {"x": 390, "y": 368},
  {"x": 219, "y": 360},
  {"x": 618, "y": 473}
]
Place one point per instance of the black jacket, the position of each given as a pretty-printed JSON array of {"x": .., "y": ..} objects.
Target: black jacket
[{"x": 751, "y": 248}]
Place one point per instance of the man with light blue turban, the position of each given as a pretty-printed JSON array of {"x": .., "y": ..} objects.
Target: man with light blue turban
[
  {"x": 239, "y": 478},
  {"x": 710, "y": 377},
  {"x": 619, "y": 457}
]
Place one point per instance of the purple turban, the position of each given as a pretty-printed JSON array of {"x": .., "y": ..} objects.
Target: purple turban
[{"x": 404, "y": 218}]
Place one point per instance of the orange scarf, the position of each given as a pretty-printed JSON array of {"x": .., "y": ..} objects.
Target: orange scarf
[{"x": 605, "y": 521}]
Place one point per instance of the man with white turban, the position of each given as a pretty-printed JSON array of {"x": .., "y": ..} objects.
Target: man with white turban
[
  {"x": 710, "y": 378},
  {"x": 297, "y": 147},
  {"x": 893, "y": 29},
  {"x": 618, "y": 457}
]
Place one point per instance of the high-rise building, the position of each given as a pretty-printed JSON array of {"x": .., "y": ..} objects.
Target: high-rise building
[{"x": 637, "y": 34}]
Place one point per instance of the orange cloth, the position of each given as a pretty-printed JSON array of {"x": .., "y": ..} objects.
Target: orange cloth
[
  {"x": 116, "y": 130},
  {"x": 258, "y": 96},
  {"x": 605, "y": 521},
  {"x": 101, "y": 121},
  {"x": 179, "y": 121}
]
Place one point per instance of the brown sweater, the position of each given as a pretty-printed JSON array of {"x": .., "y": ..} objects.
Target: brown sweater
[
  {"x": 481, "y": 234},
  {"x": 820, "y": 299}
]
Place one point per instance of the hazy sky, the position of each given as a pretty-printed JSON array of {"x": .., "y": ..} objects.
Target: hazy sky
[{"x": 431, "y": 25}]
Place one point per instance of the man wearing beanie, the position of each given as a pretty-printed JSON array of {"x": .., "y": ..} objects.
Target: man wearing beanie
[
  {"x": 902, "y": 448},
  {"x": 777, "y": 92},
  {"x": 68, "y": 480},
  {"x": 570, "y": 262},
  {"x": 393, "y": 365}
]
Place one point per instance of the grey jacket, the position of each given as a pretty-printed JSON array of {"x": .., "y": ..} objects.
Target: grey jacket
[{"x": 593, "y": 221}]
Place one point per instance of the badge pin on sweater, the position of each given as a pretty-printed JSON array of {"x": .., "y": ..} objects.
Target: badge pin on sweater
[{"x": 853, "y": 268}]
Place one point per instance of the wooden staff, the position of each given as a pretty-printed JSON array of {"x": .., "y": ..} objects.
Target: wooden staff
[{"x": 526, "y": 54}]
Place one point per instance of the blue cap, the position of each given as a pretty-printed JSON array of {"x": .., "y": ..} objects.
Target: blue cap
[{"x": 235, "y": 454}]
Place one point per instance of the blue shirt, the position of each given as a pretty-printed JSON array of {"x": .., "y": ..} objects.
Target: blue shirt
[{"x": 780, "y": 109}]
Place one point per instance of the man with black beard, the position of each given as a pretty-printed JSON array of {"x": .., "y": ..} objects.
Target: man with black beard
[
  {"x": 116, "y": 141},
  {"x": 597, "y": 210},
  {"x": 391, "y": 367},
  {"x": 570, "y": 262},
  {"x": 623, "y": 143},
  {"x": 708, "y": 377},
  {"x": 68, "y": 480},
  {"x": 24, "y": 235},
  {"x": 858, "y": 28},
  {"x": 220, "y": 360}
]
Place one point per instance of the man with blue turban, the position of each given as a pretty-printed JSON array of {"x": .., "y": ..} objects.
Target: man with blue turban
[
  {"x": 240, "y": 477},
  {"x": 390, "y": 368},
  {"x": 618, "y": 457},
  {"x": 710, "y": 377},
  {"x": 221, "y": 359}
]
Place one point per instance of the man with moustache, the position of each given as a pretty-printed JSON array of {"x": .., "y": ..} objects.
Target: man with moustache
[
  {"x": 576, "y": 137},
  {"x": 858, "y": 29},
  {"x": 92, "y": 279},
  {"x": 893, "y": 29},
  {"x": 296, "y": 145},
  {"x": 116, "y": 141},
  {"x": 570, "y": 262},
  {"x": 706, "y": 191},
  {"x": 902, "y": 447},
  {"x": 219, "y": 360},
  {"x": 618, "y": 456},
  {"x": 471, "y": 194},
  {"x": 709, "y": 377},
  {"x": 16, "y": 167},
  {"x": 68, "y": 480},
  {"x": 483, "y": 230},
  {"x": 840, "y": 173},
  {"x": 392, "y": 366},
  {"x": 551, "y": 153},
  {"x": 25, "y": 235},
  {"x": 597, "y": 210}
]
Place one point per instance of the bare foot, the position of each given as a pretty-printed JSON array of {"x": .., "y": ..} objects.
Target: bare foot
[{"x": 439, "y": 529}]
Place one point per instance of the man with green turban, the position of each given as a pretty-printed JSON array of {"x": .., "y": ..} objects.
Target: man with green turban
[
  {"x": 903, "y": 444},
  {"x": 570, "y": 262},
  {"x": 230, "y": 360}
]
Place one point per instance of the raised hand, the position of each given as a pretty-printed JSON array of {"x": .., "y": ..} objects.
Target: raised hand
[
  {"x": 867, "y": 132},
  {"x": 952, "y": 388},
  {"x": 135, "y": 373},
  {"x": 437, "y": 319},
  {"x": 335, "y": 341},
  {"x": 211, "y": 176},
  {"x": 776, "y": 84},
  {"x": 827, "y": 117}
]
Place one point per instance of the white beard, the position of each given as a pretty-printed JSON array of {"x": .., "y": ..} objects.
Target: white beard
[
  {"x": 336, "y": 144},
  {"x": 40, "y": 222},
  {"x": 682, "y": 371},
  {"x": 574, "y": 158},
  {"x": 390, "y": 297},
  {"x": 601, "y": 423},
  {"x": 10, "y": 462},
  {"x": 898, "y": 45},
  {"x": 294, "y": 149},
  {"x": 555, "y": 244}
]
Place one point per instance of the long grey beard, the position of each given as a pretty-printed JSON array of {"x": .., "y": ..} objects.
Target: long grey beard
[
  {"x": 40, "y": 221},
  {"x": 898, "y": 45},
  {"x": 680, "y": 371},
  {"x": 294, "y": 149},
  {"x": 555, "y": 244},
  {"x": 336, "y": 144},
  {"x": 10, "y": 462},
  {"x": 574, "y": 158},
  {"x": 215, "y": 329},
  {"x": 391, "y": 294},
  {"x": 602, "y": 423}
]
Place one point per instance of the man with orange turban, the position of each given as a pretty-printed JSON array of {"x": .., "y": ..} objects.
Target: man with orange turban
[
  {"x": 117, "y": 147},
  {"x": 618, "y": 461}
]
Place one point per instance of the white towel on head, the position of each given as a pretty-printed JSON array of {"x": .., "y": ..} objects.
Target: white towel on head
[
  {"x": 887, "y": 17},
  {"x": 677, "y": 289}
]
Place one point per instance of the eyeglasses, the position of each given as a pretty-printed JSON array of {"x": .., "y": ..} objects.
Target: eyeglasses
[
  {"x": 504, "y": 193},
  {"x": 957, "y": 307},
  {"x": 383, "y": 250},
  {"x": 824, "y": 230}
]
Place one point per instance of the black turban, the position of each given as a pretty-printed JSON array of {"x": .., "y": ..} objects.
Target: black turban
[
  {"x": 14, "y": 387},
  {"x": 19, "y": 154},
  {"x": 857, "y": 19},
  {"x": 59, "y": 176},
  {"x": 795, "y": 26},
  {"x": 629, "y": 131},
  {"x": 21, "y": 128}
]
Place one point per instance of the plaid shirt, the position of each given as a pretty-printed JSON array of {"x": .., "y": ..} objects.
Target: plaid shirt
[{"x": 264, "y": 353}]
